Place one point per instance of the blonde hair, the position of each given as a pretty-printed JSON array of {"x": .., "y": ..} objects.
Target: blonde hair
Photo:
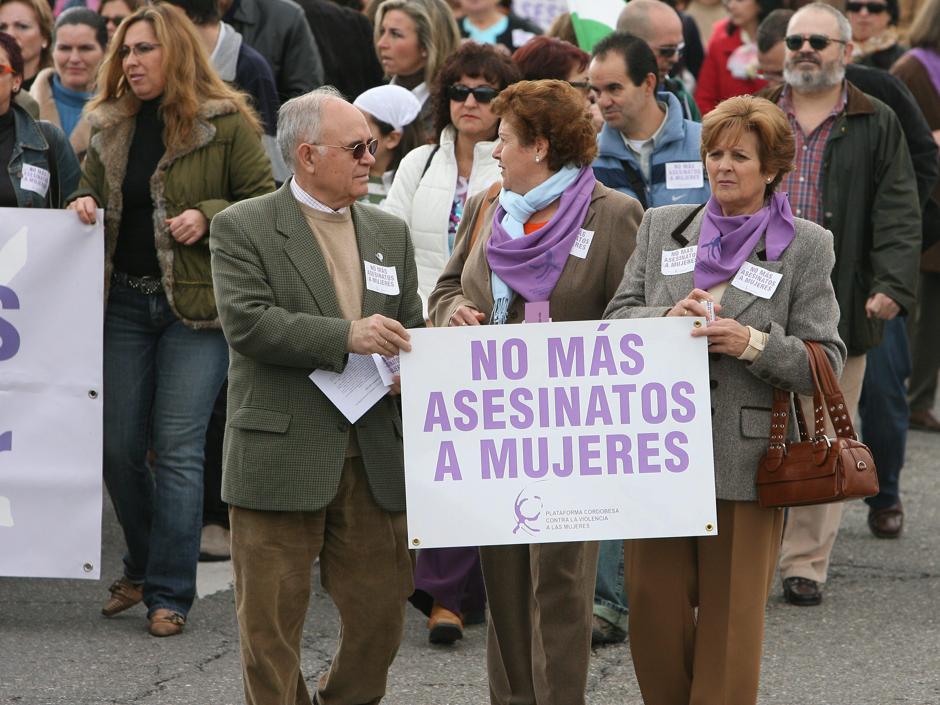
[
  {"x": 190, "y": 78},
  {"x": 45, "y": 20},
  {"x": 435, "y": 26}
]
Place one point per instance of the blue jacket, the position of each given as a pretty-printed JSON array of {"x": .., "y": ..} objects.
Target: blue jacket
[
  {"x": 678, "y": 141},
  {"x": 37, "y": 146}
]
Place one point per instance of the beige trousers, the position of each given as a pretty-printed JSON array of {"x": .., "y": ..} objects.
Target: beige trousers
[
  {"x": 541, "y": 601},
  {"x": 712, "y": 656},
  {"x": 810, "y": 532},
  {"x": 365, "y": 568}
]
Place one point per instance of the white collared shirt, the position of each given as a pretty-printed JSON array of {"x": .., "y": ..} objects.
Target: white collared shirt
[{"x": 310, "y": 201}]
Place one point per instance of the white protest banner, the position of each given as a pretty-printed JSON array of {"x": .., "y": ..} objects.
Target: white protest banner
[
  {"x": 51, "y": 311},
  {"x": 549, "y": 432}
]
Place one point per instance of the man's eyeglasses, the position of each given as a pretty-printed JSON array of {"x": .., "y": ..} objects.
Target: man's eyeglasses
[
  {"x": 115, "y": 20},
  {"x": 7, "y": 69},
  {"x": 817, "y": 41},
  {"x": 482, "y": 94},
  {"x": 874, "y": 8},
  {"x": 138, "y": 50},
  {"x": 670, "y": 50},
  {"x": 358, "y": 150}
]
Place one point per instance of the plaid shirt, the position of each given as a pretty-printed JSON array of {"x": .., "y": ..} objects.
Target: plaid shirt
[{"x": 803, "y": 184}]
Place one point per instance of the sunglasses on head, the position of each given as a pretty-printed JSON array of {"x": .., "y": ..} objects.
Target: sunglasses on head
[
  {"x": 482, "y": 94},
  {"x": 817, "y": 41},
  {"x": 358, "y": 150},
  {"x": 874, "y": 8}
]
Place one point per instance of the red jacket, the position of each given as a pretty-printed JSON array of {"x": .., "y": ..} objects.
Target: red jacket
[{"x": 715, "y": 82}]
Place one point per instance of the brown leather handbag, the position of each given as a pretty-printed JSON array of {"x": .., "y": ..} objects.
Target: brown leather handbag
[{"x": 817, "y": 469}]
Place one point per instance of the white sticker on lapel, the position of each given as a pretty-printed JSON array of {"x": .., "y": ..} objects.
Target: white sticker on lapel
[
  {"x": 684, "y": 175},
  {"x": 582, "y": 243},
  {"x": 35, "y": 179},
  {"x": 756, "y": 280},
  {"x": 379, "y": 256},
  {"x": 381, "y": 279},
  {"x": 679, "y": 261}
]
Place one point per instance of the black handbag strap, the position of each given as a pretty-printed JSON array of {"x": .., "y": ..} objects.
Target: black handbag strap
[
  {"x": 427, "y": 164},
  {"x": 635, "y": 179}
]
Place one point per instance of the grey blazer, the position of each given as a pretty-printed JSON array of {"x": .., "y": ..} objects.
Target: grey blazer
[
  {"x": 285, "y": 442},
  {"x": 803, "y": 307}
]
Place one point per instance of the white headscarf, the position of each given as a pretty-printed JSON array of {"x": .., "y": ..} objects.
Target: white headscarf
[{"x": 394, "y": 105}]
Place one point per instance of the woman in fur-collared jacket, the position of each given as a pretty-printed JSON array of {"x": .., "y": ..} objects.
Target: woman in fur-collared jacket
[{"x": 171, "y": 146}]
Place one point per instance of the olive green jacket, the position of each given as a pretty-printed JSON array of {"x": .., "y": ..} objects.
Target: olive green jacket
[
  {"x": 223, "y": 163},
  {"x": 285, "y": 441}
]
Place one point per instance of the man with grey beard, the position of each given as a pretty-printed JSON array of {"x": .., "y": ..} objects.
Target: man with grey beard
[{"x": 853, "y": 175}]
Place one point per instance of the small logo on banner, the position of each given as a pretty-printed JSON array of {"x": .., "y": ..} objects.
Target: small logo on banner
[{"x": 528, "y": 510}]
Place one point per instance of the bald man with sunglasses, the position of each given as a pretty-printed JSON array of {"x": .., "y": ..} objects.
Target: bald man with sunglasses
[
  {"x": 854, "y": 176},
  {"x": 305, "y": 278}
]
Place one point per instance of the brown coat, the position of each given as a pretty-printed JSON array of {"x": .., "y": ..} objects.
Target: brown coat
[
  {"x": 42, "y": 92},
  {"x": 585, "y": 286}
]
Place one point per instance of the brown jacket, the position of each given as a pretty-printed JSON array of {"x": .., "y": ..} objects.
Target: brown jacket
[
  {"x": 585, "y": 286},
  {"x": 42, "y": 92}
]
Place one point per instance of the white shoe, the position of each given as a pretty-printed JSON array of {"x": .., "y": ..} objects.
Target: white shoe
[{"x": 215, "y": 544}]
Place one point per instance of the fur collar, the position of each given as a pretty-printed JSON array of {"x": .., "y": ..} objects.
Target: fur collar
[{"x": 124, "y": 108}]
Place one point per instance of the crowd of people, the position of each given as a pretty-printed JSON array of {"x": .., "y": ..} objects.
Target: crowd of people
[{"x": 252, "y": 157}]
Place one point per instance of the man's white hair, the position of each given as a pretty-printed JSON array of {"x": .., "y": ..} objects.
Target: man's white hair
[{"x": 300, "y": 120}]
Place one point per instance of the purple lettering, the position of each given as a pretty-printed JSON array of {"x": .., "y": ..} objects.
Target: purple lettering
[
  {"x": 517, "y": 400},
  {"x": 492, "y": 405},
  {"x": 544, "y": 414},
  {"x": 633, "y": 365},
  {"x": 680, "y": 460},
  {"x": 529, "y": 465},
  {"x": 654, "y": 402},
  {"x": 603, "y": 358},
  {"x": 515, "y": 366},
  {"x": 567, "y": 406},
  {"x": 436, "y": 414},
  {"x": 447, "y": 463},
  {"x": 680, "y": 390},
  {"x": 9, "y": 336},
  {"x": 597, "y": 408},
  {"x": 498, "y": 464},
  {"x": 647, "y": 452},
  {"x": 483, "y": 362},
  {"x": 618, "y": 453},
  {"x": 565, "y": 362},
  {"x": 586, "y": 454},
  {"x": 567, "y": 454},
  {"x": 462, "y": 404},
  {"x": 623, "y": 392},
  {"x": 6, "y": 441}
]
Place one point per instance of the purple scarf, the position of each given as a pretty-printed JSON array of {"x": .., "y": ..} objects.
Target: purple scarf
[
  {"x": 531, "y": 265},
  {"x": 931, "y": 62},
  {"x": 725, "y": 242}
]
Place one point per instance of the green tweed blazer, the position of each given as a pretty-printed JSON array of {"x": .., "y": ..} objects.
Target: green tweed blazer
[{"x": 285, "y": 442}]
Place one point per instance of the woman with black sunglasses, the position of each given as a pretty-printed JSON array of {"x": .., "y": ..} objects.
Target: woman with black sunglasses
[
  {"x": 429, "y": 192},
  {"x": 874, "y": 34},
  {"x": 172, "y": 146}
]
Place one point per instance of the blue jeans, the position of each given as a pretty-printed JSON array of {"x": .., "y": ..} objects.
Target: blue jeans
[
  {"x": 883, "y": 409},
  {"x": 610, "y": 599},
  {"x": 160, "y": 381}
]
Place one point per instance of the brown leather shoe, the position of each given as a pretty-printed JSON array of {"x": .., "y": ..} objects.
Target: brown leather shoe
[
  {"x": 886, "y": 523},
  {"x": 802, "y": 592},
  {"x": 925, "y": 421},
  {"x": 166, "y": 622},
  {"x": 444, "y": 626},
  {"x": 124, "y": 594}
]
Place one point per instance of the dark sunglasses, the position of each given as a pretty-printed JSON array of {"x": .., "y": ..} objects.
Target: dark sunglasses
[
  {"x": 874, "y": 8},
  {"x": 358, "y": 150},
  {"x": 141, "y": 49},
  {"x": 482, "y": 94},
  {"x": 115, "y": 20},
  {"x": 817, "y": 41},
  {"x": 668, "y": 51}
]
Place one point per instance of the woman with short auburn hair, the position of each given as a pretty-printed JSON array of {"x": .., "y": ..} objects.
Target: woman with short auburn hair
[
  {"x": 171, "y": 146},
  {"x": 511, "y": 250},
  {"x": 697, "y": 603}
]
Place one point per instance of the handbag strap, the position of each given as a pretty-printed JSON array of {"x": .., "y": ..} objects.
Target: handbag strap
[{"x": 835, "y": 400}]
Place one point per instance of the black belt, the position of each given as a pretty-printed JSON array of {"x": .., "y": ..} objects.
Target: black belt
[{"x": 145, "y": 285}]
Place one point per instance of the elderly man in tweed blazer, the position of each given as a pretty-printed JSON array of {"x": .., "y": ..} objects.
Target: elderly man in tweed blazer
[{"x": 297, "y": 290}]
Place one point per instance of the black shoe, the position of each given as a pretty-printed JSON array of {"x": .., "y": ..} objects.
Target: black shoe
[{"x": 802, "y": 592}]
